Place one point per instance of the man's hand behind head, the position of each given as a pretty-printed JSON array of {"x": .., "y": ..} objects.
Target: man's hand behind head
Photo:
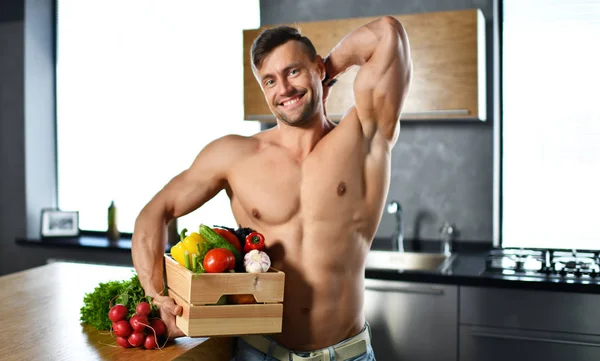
[{"x": 325, "y": 96}]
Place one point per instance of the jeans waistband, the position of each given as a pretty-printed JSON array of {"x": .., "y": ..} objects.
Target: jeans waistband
[{"x": 349, "y": 348}]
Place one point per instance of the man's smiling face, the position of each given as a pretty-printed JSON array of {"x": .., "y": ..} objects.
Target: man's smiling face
[{"x": 291, "y": 83}]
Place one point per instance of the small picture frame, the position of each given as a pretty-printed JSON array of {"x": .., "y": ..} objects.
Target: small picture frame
[{"x": 57, "y": 223}]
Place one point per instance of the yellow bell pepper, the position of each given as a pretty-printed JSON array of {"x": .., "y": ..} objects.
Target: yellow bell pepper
[
  {"x": 194, "y": 248},
  {"x": 196, "y": 244},
  {"x": 190, "y": 243},
  {"x": 180, "y": 255}
]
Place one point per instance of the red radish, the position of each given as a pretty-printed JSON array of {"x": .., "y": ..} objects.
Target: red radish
[
  {"x": 122, "y": 341},
  {"x": 143, "y": 309},
  {"x": 122, "y": 328},
  {"x": 159, "y": 326},
  {"x": 136, "y": 339},
  {"x": 150, "y": 342},
  {"x": 138, "y": 323},
  {"x": 117, "y": 313}
]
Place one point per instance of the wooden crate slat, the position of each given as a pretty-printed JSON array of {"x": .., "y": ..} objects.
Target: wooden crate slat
[
  {"x": 203, "y": 289},
  {"x": 235, "y": 326},
  {"x": 269, "y": 310},
  {"x": 178, "y": 277}
]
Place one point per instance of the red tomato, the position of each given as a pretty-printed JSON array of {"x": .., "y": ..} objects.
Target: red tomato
[
  {"x": 229, "y": 237},
  {"x": 218, "y": 260}
]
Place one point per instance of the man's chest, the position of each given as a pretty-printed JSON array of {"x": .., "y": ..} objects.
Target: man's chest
[{"x": 273, "y": 188}]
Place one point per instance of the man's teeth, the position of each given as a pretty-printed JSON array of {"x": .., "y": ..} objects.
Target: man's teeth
[{"x": 292, "y": 101}]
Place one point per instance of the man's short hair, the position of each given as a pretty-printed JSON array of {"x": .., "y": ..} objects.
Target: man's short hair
[{"x": 269, "y": 39}]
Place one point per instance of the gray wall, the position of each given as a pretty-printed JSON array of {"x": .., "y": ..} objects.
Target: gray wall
[{"x": 441, "y": 171}]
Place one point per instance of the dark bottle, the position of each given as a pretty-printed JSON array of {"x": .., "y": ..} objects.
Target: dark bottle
[{"x": 113, "y": 233}]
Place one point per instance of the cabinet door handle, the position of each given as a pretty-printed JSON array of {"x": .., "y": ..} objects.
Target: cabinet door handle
[
  {"x": 338, "y": 116},
  {"x": 441, "y": 112},
  {"x": 392, "y": 287},
  {"x": 438, "y": 112},
  {"x": 529, "y": 338}
]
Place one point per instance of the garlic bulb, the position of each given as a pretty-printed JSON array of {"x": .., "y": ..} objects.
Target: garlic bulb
[{"x": 256, "y": 261}]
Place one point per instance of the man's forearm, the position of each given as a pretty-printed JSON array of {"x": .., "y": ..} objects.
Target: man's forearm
[
  {"x": 357, "y": 47},
  {"x": 147, "y": 249}
]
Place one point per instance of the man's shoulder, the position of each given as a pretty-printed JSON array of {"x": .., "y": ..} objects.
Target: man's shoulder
[
  {"x": 234, "y": 140},
  {"x": 238, "y": 144}
]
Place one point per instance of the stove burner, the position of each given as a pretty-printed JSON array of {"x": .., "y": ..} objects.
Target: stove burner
[
  {"x": 575, "y": 265},
  {"x": 515, "y": 262},
  {"x": 515, "y": 252},
  {"x": 544, "y": 263}
]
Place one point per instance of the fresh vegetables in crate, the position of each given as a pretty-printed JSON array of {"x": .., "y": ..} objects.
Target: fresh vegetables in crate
[
  {"x": 222, "y": 249},
  {"x": 232, "y": 268}
]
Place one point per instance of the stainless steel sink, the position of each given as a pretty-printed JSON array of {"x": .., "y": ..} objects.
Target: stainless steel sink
[{"x": 409, "y": 261}]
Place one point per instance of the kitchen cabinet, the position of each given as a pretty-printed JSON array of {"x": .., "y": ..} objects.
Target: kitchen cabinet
[
  {"x": 499, "y": 344},
  {"x": 412, "y": 321},
  {"x": 533, "y": 310},
  {"x": 501, "y": 324},
  {"x": 448, "y": 52}
]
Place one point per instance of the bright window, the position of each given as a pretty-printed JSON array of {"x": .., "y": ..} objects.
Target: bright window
[
  {"x": 551, "y": 124},
  {"x": 142, "y": 87}
]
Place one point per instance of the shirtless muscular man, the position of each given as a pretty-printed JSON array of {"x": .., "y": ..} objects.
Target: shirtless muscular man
[{"x": 317, "y": 189}]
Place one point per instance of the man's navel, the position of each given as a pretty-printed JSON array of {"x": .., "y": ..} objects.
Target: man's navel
[{"x": 341, "y": 189}]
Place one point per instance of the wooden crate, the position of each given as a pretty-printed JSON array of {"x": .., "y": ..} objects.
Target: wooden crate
[{"x": 198, "y": 295}]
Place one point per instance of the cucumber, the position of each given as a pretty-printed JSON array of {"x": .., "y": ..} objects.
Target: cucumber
[
  {"x": 217, "y": 241},
  {"x": 203, "y": 248}
]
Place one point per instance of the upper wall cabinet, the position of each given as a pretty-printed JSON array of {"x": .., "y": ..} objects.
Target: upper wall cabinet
[{"x": 448, "y": 52}]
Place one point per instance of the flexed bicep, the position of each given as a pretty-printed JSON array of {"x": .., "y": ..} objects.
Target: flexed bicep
[{"x": 383, "y": 81}]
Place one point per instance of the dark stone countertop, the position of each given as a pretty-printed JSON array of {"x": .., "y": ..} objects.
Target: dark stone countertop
[{"x": 467, "y": 269}]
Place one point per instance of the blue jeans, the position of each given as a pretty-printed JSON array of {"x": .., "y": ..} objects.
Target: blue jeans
[{"x": 245, "y": 352}]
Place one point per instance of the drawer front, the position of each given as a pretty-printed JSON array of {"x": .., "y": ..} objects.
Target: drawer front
[
  {"x": 534, "y": 310},
  {"x": 493, "y": 344}
]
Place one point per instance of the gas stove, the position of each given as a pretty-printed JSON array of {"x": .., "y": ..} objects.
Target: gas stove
[{"x": 550, "y": 264}]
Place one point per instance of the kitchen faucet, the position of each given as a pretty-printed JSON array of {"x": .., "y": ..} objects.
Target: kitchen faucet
[
  {"x": 398, "y": 238},
  {"x": 447, "y": 232}
]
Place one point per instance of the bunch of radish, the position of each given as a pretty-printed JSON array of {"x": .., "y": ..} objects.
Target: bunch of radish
[{"x": 137, "y": 330}]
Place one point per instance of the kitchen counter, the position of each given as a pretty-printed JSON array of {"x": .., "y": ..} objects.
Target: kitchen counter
[
  {"x": 468, "y": 269},
  {"x": 40, "y": 307}
]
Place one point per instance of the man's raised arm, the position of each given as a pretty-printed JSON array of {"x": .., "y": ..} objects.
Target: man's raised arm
[{"x": 381, "y": 49}]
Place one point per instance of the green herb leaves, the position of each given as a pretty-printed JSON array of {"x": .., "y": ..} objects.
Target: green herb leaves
[{"x": 96, "y": 304}]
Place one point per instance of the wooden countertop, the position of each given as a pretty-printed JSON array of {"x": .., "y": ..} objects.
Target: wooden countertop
[{"x": 39, "y": 309}]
